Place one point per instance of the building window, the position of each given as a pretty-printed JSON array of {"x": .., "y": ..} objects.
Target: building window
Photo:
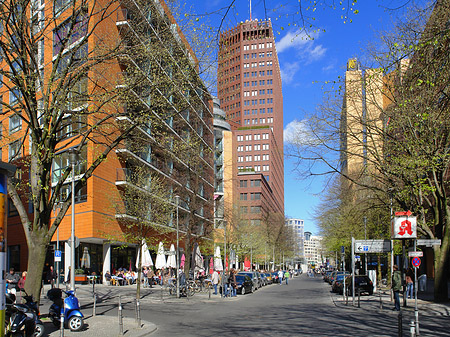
[
  {"x": 14, "y": 95},
  {"x": 14, "y": 150},
  {"x": 243, "y": 183},
  {"x": 255, "y": 209},
  {"x": 244, "y": 209},
  {"x": 255, "y": 196},
  {"x": 243, "y": 196}
]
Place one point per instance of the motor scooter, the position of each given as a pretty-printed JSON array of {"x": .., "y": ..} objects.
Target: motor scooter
[
  {"x": 22, "y": 319},
  {"x": 72, "y": 313}
]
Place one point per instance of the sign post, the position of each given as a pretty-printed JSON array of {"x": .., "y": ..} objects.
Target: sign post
[{"x": 353, "y": 271}]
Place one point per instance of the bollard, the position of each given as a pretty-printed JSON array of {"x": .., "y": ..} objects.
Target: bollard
[
  {"x": 138, "y": 310},
  {"x": 359, "y": 298},
  {"x": 381, "y": 301},
  {"x": 400, "y": 324},
  {"x": 412, "y": 329},
  {"x": 209, "y": 296},
  {"x": 416, "y": 315},
  {"x": 61, "y": 328},
  {"x": 120, "y": 317},
  {"x": 93, "y": 308}
]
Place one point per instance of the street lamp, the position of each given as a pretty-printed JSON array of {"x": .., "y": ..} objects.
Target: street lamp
[
  {"x": 177, "y": 198},
  {"x": 73, "y": 160},
  {"x": 225, "y": 255}
]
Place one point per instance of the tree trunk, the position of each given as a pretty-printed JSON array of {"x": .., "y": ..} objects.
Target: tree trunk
[
  {"x": 187, "y": 255},
  {"x": 441, "y": 271},
  {"x": 36, "y": 260}
]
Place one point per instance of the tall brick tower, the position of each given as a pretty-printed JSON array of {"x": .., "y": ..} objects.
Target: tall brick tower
[{"x": 250, "y": 93}]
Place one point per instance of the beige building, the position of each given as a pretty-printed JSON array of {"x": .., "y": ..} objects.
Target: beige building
[{"x": 313, "y": 250}]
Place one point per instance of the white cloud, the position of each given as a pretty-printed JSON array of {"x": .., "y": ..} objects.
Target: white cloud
[
  {"x": 307, "y": 51},
  {"x": 288, "y": 71},
  {"x": 296, "y": 132},
  {"x": 292, "y": 40}
]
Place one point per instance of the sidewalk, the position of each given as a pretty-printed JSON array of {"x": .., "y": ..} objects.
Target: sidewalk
[
  {"x": 106, "y": 322},
  {"x": 425, "y": 303}
]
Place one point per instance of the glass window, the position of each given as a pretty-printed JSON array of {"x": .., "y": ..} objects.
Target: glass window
[{"x": 15, "y": 123}]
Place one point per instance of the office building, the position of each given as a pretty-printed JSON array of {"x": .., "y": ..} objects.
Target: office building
[{"x": 250, "y": 93}]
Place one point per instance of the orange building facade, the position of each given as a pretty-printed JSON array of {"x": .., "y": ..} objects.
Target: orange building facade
[{"x": 184, "y": 114}]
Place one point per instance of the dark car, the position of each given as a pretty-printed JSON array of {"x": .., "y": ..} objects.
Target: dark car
[
  {"x": 362, "y": 283},
  {"x": 244, "y": 284},
  {"x": 253, "y": 277},
  {"x": 338, "y": 284},
  {"x": 275, "y": 277}
]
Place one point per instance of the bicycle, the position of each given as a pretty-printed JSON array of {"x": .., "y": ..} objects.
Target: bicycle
[{"x": 184, "y": 290}]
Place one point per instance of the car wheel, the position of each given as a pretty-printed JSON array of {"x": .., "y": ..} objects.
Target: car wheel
[
  {"x": 39, "y": 330},
  {"x": 75, "y": 323},
  {"x": 243, "y": 290}
]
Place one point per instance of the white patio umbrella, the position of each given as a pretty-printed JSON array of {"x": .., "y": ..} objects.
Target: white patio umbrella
[
  {"x": 218, "y": 260},
  {"x": 86, "y": 259},
  {"x": 172, "y": 260},
  {"x": 160, "y": 257},
  {"x": 198, "y": 260},
  {"x": 146, "y": 258}
]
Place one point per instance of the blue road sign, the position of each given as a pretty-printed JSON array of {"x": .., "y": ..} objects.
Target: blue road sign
[
  {"x": 342, "y": 249},
  {"x": 57, "y": 253}
]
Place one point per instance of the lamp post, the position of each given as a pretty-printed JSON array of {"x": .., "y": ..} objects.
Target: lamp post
[
  {"x": 177, "y": 198},
  {"x": 365, "y": 238},
  {"x": 224, "y": 255},
  {"x": 73, "y": 160}
]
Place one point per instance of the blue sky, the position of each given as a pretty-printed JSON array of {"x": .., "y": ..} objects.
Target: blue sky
[{"x": 306, "y": 64}]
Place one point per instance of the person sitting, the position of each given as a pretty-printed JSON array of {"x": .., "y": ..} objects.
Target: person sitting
[{"x": 108, "y": 277}]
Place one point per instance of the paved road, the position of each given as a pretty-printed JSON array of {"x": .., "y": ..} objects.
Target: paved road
[{"x": 304, "y": 307}]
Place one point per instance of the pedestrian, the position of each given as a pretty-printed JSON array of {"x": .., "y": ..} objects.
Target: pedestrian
[
  {"x": 286, "y": 276},
  {"x": 396, "y": 287},
  {"x": 12, "y": 280},
  {"x": 51, "y": 276},
  {"x": 280, "y": 276},
  {"x": 409, "y": 283},
  {"x": 232, "y": 282},
  {"x": 225, "y": 284},
  {"x": 21, "y": 283},
  {"x": 215, "y": 280}
]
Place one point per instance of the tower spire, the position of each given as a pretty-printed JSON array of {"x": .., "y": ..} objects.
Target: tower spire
[{"x": 250, "y": 10}]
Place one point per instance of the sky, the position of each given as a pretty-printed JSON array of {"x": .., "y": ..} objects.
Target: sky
[{"x": 306, "y": 64}]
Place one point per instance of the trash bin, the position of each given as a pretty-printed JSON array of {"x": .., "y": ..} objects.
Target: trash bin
[{"x": 422, "y": 282}]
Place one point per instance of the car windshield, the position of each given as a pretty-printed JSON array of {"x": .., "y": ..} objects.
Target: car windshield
[{"x": 240, "y": 278}]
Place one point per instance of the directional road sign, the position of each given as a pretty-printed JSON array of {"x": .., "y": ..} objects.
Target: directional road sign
[
  {"x": 428, "y": 243},
  {"x": 372, "y": 246},
  {"x": 416, "y": 262}
]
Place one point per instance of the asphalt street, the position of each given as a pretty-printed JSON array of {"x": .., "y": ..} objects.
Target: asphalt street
[{"x": 304, "y": 307}]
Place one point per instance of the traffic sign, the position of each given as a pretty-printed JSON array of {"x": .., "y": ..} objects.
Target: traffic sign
[
  {"x": 342, "y": 250},
  {"x": 372, "y": 246},
  {"x": 77, "y": 242},
  {"x": 428, "y": 242},
  {"x": 416, "y": 262},
  {"x": 57, "y": 256},
  {"x": 415, "y": 254}
]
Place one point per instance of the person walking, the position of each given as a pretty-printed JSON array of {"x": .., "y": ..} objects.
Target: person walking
[
  {"x": 280, "y": 276},
  {"x": 232, "y": 282},
  {"x": 51, "y": 276},
  {"x": 225, "y": 284},
  {"x": 12, "y": 280},
  {"x": 286, "y": 276},
  {"x": 215, "y": 280},
  {"x": 396, "y": 287},
  {"x": 409, "y": 283}
]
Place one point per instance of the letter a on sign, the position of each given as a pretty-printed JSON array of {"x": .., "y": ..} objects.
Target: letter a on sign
[{"x": 404, "y": 227}]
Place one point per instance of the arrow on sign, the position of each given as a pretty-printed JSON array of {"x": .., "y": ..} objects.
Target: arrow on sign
[{"x": 408, "y": 213}]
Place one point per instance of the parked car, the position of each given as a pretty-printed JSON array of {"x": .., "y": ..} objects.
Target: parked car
[
  {"x": 362, "y": 283},
  {"x": 268, "y": 278},
  {"x": 260, "y": 279},
  {"x": 264, "y": 279},
  {"x": 244, "y": 284},
  {"x": 253, "y": 276},
  {"x": 275, "y": 277},
  {"x": 338, "y": 284},
  {"x": 333, "y": 276},
  {"x": 327, "y": 275}
]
